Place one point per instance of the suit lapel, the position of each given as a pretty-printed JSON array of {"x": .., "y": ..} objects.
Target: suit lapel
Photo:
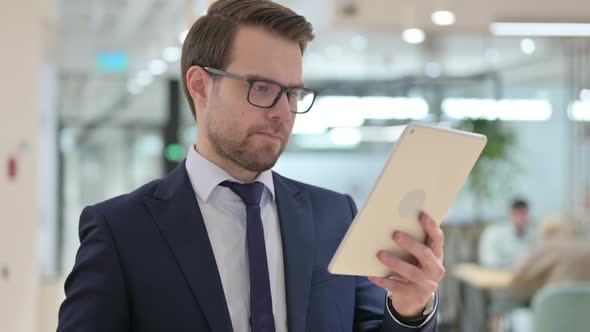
[
  {"x": 297, "y": 231},
  {"x": 175, "y": 209}
]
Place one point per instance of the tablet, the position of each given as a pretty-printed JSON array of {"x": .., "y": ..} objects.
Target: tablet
[{"x": 425, "y": 171}]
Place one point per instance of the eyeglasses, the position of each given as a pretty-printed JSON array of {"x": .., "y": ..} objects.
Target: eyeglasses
[{"x": 266, "y": 93}]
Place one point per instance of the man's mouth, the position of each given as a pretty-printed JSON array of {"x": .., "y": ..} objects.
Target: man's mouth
[{"x": 269, "y": 135}]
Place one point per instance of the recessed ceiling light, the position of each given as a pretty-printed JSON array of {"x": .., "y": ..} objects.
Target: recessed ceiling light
[
  {"x": 540, "y": 29},
  {"x": 528, "y": 46},
  {"x": 413, "y": 36},
  {"x": 443, "y": 17}
]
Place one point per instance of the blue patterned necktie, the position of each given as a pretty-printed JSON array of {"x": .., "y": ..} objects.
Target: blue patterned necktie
[{"x": 261, "y": 316}]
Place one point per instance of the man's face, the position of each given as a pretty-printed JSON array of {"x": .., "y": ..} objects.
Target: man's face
[
  {"x": 249, "y": 136},
  {"x": 519, "y": 217}
]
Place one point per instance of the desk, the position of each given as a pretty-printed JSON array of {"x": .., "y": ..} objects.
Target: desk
[
  {"x": 483, "y": 278},
  {"x": 477, "y": 282}
]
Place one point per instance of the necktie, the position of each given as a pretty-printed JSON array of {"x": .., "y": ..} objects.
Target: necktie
[{"x": 261, "y": 316}]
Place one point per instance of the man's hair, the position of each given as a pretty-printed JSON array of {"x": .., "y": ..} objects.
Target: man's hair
[
  {"x": 519, "y": 203},
  {"x": 210, "y": 39}
]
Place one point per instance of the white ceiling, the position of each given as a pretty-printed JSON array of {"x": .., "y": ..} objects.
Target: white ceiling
[
  {"x": 472, "y": 15},
  {"x": 142, "y": 28}
]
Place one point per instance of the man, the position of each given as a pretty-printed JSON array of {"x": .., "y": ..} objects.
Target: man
[
  {"x": 501, "y": 245},
  {"x": 223, "y": 243}
]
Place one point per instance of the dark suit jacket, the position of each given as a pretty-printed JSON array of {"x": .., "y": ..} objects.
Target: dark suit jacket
[{"x": 145, "y": 263}]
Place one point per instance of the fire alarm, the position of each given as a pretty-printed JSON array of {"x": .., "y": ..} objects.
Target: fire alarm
[{"x": 12, "y": 168}]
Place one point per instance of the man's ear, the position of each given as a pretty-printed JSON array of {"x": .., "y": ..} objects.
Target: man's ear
[{"x": 197, "y": 80}]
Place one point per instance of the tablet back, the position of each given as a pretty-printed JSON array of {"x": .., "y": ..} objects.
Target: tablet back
[{"x": 425, "y": 171}]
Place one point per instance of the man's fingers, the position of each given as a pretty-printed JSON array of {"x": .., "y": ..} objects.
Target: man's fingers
[
  {"x": 424, "y": 254},
  {"x": 408, "y": 271},
  {"x": 436, "y": 237}
]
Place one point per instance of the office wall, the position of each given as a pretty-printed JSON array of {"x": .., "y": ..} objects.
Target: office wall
[{"x": 20, "y": 65}]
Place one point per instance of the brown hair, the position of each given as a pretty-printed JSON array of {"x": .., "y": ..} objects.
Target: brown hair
[{"x": 209, "y": 40}]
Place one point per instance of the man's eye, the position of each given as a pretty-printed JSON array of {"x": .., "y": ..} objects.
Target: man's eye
[{"x": 261, "y": 87}]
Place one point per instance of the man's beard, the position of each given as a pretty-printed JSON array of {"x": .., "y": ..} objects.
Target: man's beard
[{"x": 241, "y": 152}]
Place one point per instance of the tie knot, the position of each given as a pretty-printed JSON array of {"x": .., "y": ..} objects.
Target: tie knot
[{"x": 250, "y": 193}]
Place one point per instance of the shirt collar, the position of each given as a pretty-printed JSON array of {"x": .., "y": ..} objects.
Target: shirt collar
[{"x": 205, "y": 176}]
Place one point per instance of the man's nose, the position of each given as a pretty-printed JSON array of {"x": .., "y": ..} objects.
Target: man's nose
[{"x": 282, "y": 109}]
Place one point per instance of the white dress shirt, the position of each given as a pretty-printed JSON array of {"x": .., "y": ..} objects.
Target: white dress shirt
[
  {"x": 501, "y": 247},
  {"x": 224, "y": 215}
]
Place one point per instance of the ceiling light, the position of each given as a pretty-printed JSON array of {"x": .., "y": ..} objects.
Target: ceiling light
[
  {"x": 330, "y": 112},
  {"x": 351, "y": 112},
  {"x": 303, "y": 126},
  {"x": 171, "y": 54},
  {"x": 413, "y": 36},
  {"x": 540, "y": 29},
  {"x": 527, "y": 46},
  {"x": 585, "y": 95},
  {"x": 337, "y": 111},
  {"x": 387, "y": 108},
  {"x": 490, "y": 109},
  {"x": 580, "y": 111},
  {"x": 381, "y": 134},
  {"x": 443, "y": 17},
  {"x": 345, "y": 136}
]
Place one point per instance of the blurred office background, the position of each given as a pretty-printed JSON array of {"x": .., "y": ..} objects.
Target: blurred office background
[{"x": 92, "y": 108}]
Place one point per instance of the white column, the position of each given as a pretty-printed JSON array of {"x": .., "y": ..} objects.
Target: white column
[{"x": 24, "y": 36}]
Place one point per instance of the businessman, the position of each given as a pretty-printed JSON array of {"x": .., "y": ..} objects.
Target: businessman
[{"x": 223, "y": 243}]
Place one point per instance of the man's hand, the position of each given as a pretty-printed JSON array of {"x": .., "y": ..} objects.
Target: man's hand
[{"x": 416, "y": 283}]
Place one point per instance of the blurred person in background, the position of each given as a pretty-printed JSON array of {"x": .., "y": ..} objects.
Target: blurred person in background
[
  {"x": 561, "y": 255},
  {"x": 502, "y": 245},
  {"x": 225, "y": 244}
]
